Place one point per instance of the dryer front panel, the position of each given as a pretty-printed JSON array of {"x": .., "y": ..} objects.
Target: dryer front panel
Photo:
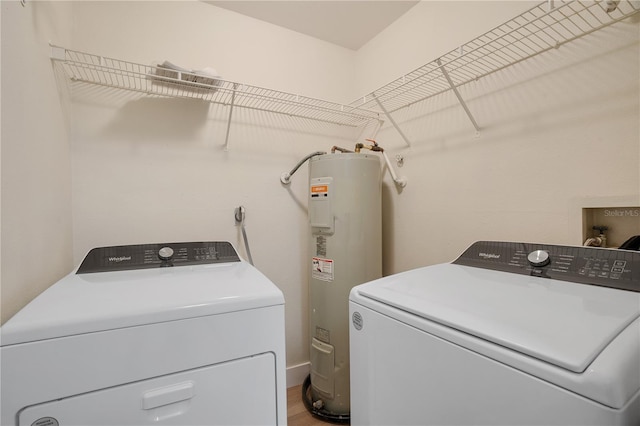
[{"x": 239, "y": 392}]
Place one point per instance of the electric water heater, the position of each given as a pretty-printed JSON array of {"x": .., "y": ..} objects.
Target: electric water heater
[{"x": 345, "y": 219}]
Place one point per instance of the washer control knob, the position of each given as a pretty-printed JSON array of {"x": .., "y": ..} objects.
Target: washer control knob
[
  {"x": 539, "y": 258},
  {"x": 165, "y": 253}
]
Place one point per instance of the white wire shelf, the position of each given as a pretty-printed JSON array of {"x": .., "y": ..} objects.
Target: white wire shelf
[
  {"x": 166, "y": 82},
  {"x": 541, "y": 28}
]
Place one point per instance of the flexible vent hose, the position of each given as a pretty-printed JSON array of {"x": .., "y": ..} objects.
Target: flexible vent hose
[
  {"x": 285, "y": 178},
  {"x": 240, "y": 220}
]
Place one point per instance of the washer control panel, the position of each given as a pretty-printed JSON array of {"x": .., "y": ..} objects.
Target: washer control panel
[
  {"x": 587, "y": 265},
  {"x": 145, "y": 256}
]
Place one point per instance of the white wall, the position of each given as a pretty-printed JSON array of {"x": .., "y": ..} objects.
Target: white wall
[
  {"x": 36, "y": 174},
  {"x": 197, "y": 35},
  {"x": 559, "y": 132},
  {"x": 428, "y": 30},
  {"x": 152, "y": 170}
]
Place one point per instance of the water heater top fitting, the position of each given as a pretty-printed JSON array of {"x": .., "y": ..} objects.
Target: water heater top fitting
[{"x": 285, "y": 178}]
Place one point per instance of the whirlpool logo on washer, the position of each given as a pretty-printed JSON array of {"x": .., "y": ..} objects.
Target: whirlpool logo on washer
[
  {"x": 119, "y": 259},
  {"x": 489, "y": 255}
]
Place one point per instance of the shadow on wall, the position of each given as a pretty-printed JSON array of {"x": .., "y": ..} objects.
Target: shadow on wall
[
  {"x": 583, "y": 82},
  {"x": 153, "y": 119}
]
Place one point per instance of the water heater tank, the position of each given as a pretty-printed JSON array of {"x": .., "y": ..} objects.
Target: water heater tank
[{"x": 346, "y": 250}]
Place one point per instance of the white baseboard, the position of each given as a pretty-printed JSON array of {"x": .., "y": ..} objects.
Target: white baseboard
[{"x": 297, "y": 373}]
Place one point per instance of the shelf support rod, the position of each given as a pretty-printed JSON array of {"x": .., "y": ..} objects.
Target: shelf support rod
[
  {"x": 406, "y": 140},
  {"x": 455, "y": 90},
  {"x": 233, "y": 99}
]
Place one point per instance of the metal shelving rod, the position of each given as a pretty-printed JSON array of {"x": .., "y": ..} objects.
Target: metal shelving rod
[
  {"x": 455, "y": 91},
  {"x": 233, "y": 99},
  {"x": 393, "y": 122}
]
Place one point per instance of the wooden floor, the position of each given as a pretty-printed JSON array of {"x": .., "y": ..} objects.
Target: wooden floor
[{"x": 297, "y": 414}]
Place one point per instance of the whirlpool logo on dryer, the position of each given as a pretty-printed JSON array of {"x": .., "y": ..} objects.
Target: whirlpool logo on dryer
[
  {"x": 119, "y": 259},
  {"x": 489, "y": 255}
]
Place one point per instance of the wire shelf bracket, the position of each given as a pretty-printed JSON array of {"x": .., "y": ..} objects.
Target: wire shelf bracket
[
  {"x": 392, "y": 121},
  {"x": 233, "y": 99},
  {"x": 457, "y": 93}
]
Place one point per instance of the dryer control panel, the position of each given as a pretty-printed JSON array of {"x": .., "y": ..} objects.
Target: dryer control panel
[
  {"x": 158, "y": 255},
  {"x": 587, "y": 265}
]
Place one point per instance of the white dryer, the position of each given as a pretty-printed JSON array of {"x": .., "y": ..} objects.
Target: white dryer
[
  {"x": 509, "y": 333},
  {"x": 162, "y": 334}
]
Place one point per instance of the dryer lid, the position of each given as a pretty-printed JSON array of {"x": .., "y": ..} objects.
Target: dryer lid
[
  {"x": 562, "y": 323},
  {"x": 86, "y": 303}
]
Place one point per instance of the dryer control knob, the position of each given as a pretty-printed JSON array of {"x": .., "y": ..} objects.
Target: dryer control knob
[
  {"x": 539, "y": 258},
  {"x": 165, "y": 253}
]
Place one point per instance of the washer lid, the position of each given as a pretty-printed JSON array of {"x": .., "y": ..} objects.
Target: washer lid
[
  {"x": 86, "y": 303},
  {"x": 559, "y": 322}
]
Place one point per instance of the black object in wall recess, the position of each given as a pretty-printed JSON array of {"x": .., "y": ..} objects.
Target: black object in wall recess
[{"x": 632, "y": 243}]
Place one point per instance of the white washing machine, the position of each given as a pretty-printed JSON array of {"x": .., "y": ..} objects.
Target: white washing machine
[
  {"x": 509, "y": 333},
  {"x": 162, "y": 334}
]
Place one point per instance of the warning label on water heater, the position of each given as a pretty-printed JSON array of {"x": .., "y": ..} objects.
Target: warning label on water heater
[
  {"x": 322, "y": 269},
  {"x": 319, "y": 191}
]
